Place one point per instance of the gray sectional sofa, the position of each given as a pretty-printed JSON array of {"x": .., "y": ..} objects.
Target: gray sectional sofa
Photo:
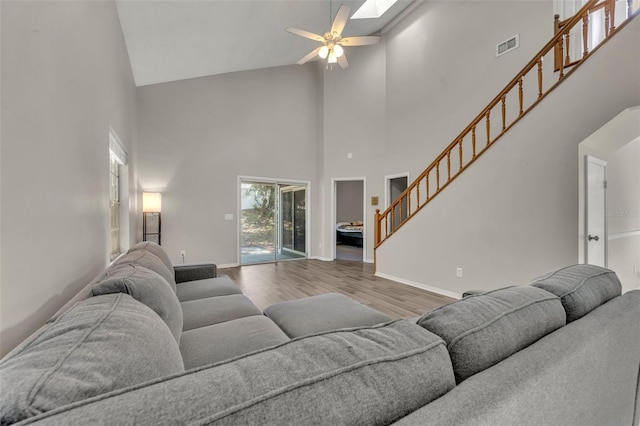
[{"x": 147, "y": 343}]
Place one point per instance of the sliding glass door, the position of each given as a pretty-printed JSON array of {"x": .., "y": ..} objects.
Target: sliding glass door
[{"x": 273, "y": 221}]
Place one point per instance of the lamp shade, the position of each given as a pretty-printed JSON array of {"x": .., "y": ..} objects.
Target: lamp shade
[{"x": 151, "y": 202}]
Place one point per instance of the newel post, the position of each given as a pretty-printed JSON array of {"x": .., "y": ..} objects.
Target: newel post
[{"x": 376, "y": 229}]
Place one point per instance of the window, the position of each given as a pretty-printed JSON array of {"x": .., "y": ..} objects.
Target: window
[{"x": 117, "y": 160}]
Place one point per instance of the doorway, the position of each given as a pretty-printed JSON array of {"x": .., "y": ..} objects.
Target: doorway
[
  {"x": 394, "y": 186},
  {"x": 595, "y": 209},
  {"x": 349, "y": 219},
  {"x": 273, "y": 220}
]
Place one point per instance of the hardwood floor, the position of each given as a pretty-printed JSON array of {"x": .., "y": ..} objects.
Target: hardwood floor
[{"x": 277, "y": 282}]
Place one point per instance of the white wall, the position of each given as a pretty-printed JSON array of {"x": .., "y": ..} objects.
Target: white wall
[
  {"x": 512, "y": 215},
  {"x": 65, "y": 79},
  {"x": 197, "y": 136}
]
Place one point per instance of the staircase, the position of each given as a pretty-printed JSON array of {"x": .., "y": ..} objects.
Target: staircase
[{"x": 522, "y": 94}]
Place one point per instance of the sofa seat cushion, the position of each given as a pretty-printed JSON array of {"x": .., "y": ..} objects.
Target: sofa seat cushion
[
  {"x": 148, "y": 260},
  {"x": 101, "y": 344},
  {"x": 482, "y": 330},
  {"x": 192, "y": 290},
  {"x": 223, "y": 341},
  {"x": 148, "y": 288},
  {"x": 214, "y": 310},
  {"x": 156, "y": 249},
  {"x": 367, "y": 376},
  {"x": 325, "y": 312},
  {"x": 581, "y": 288}
]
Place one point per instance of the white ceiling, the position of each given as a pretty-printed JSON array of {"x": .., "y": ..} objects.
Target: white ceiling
[{"x": 170, "y": 40}]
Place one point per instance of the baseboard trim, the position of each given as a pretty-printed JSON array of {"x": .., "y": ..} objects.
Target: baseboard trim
[
  {"x": 228, "y": 265},
  {"x": 436, "y": 290},
  {"x": 324, "y": 259}
]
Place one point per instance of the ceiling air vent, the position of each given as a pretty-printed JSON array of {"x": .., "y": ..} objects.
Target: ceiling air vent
[{"x": 507, "y": 45}]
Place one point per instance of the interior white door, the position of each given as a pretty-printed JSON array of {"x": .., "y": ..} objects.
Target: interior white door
[{"x": 595, "y": 211}]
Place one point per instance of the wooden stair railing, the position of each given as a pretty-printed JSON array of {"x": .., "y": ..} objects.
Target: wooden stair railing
[{"x": 504, "y": 111}]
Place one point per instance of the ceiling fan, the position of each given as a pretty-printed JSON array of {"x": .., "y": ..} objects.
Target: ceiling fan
[{"x": 332, "y": 41}]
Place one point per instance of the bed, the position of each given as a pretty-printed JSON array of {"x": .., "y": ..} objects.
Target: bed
[{"x": 350, "y": 233}]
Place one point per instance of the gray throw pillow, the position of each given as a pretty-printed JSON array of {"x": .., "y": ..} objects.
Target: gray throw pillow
[
  {"x": 482, "y": 330},
  {"x": 581, "y": 288},
  {"x": 147, "y": 287},
  {"x": 148, "y": 260},
  {"x": 101, "y": 344},
  {"x": 156, "y": 249}
]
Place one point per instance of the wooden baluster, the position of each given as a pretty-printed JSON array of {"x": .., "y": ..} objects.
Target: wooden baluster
[
  {"x": 376, "y": 228},
  {"x": 386, "y": 226},
  {"x": 540, "y": 77},
  {"x": 448, "y": 165},
  {"x": 408, "y": 205},
  {"x": 606, "y": 19},
  {"x": 473, "y": 140},
  {"x": 613, "y": 15},
  {"x": 418, "y": 194},
  {"x": 488, "y": 125},
  {"x": 520, "y": 95},
  {"x": 585, "y": 34},
  {"x": 556, "y": 54},
  {"x": 400, "y": 210},
  {"x": 393, "y": 218},
  {"x": 438, "y": 176},
  {"x": 567, "y": 59},
  {"x": 504, "y": 113},
  {"x": 460, "y": 154},
  {"x": 561, "y": 47},
  {"x": 427, "y": 187}
]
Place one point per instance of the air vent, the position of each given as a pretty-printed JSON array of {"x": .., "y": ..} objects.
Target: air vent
[{"x": 507, "y": 45}]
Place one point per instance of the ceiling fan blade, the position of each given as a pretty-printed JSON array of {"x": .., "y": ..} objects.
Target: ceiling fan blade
[
  {"x": 340, "y": 20},
  {"x": 309, "y": 56},
  {"x": 305, "y": 34},
  {"x": 342, "y": 61},
  {"x": 360, "y": 40}
]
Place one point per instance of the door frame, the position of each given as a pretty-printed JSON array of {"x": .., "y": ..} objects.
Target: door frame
[
  {"x": 274, "y": 181},
  {"x": 334, "y": 213},
  {"x": 387, "y": 183},
  {"x": 594, "y": 160}
]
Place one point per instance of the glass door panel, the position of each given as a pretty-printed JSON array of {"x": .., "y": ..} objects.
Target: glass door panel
[
  {"x": 292, "y": 214},
  {"x": 257, "y": 222}
]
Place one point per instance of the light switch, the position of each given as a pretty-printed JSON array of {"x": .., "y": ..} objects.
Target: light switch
[{"x": 228, "y": 216}]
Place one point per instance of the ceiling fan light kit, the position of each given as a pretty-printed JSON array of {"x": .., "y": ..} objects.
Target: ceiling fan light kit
[{"x": 332, "y": 42}]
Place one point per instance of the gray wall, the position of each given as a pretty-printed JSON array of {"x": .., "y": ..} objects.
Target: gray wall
[
  {"x": 512, "y": 215},
  {"x": 65, "y": 80},
  {"x": 349, "y": 200},
  {"x": 197, "y": 136}
]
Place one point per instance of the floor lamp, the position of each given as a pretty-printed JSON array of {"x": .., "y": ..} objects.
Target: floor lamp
[{"x": 151, "y": 219}]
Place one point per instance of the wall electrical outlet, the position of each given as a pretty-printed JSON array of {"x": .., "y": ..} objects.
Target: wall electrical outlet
[
  {"x": 459, "y": 272},
  {"x": 183, "y": 254}
]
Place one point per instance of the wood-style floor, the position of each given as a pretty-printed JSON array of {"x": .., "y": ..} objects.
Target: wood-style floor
[{"x": 271, "y": 283}]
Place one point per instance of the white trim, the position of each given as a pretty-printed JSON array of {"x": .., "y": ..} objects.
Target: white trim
[
  {"x": 324, "y": 259},
  {"x": 227, "y": 265},
  {"x": 624, "y": 235},
  {"x": 334, "y": 207},
  {"x": 115, "y": 145},
  {"x": 275, "y": 181},
  {"x": 420, "y": 286}
]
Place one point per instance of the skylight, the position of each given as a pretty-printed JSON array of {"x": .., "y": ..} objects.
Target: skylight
[{"x": 373, "y": 9}]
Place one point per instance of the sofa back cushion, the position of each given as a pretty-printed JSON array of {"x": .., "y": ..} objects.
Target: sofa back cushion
[
  {"x": 369, "y": 375},
  {"x": 99, "y": 345},
  {"x": 148, "y": 260},
  {"x": 581, "y": 288},
  {"x": 482, "y": 330},
  {"x": 147, "y": 287},
  {"x": 156, "y": 249}
]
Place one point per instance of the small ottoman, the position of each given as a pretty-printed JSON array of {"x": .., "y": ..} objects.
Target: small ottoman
[{"x": 326, "y": 312}]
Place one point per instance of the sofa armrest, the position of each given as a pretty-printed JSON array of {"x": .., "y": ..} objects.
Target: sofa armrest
[{"x": 196, "y": 271}]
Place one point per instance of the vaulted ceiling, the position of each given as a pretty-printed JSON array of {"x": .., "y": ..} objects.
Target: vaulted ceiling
[{"x": 170, "y": 40}]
